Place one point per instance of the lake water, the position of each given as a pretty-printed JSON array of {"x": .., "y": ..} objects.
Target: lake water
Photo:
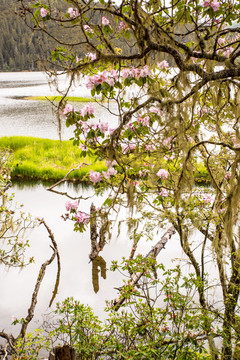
[{"x": 35, "y": 118}]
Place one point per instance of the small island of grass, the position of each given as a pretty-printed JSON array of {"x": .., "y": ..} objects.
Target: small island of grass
[
  {"x": 48, "y": 160},
  {"x": 58, "y": 98}
]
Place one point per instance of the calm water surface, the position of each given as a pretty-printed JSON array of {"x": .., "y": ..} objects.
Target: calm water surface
[{"x": 35, "y": 118}]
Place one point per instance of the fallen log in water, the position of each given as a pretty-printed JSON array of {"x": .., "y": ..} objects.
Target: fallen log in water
[{"x": 135, "y": 277}]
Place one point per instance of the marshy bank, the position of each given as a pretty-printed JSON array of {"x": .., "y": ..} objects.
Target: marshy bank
[{"x": 49, "y": 160}]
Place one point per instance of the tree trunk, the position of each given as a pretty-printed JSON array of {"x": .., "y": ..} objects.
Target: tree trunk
[{"x": 64, "y": 352}]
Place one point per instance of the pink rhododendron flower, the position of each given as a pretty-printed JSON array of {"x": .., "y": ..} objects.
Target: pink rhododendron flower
[
  {"x": 149, "y": 147},
  {"x": 83, "y": 147},
  {"x": 164, "y": 192},
  {"x": 144, "y": 121},
  {"x": 122, "y": 26},
  {"x": 105, "y": 21},
  {"x": 202, "y": 111},
  {"x": 207, "y": 3},
  {"x": 163, "y": 65},
  {"x": 82, "y": 218},
  {"x": 103, "y": 127},
  {"x": 125, "y": 73},
  {"x": 162, "y": 173},
  {"x": 88, "y": 29},
  {"x": 88, "y": 109},
  {"x": 214, "y": 4},
  {"x": 127, "y": 148},
  {"x": 227, "y": 175},
  {"x": 73, "y": 12},
  {"x": 110, "y": 163},
  {"x": 167, "y": 141},
  {"x": 95, "y": 176},
  {"x": 71, "y": 205},
  {"x": 68, "y": 108},
  {"x": 43, "y": 12},
  {"x": 145, "y": 71},
  {"x": 110, "y": 81},
  {"x": 155, "y": 110},
  {"x": 227, "y": 52},
  {"x": 111, "y": 131},
  {"x": 135, "y": 72},
  {"x": 206, "y": 198},
  {"x": 111, "y": 171},
  {"x": 91, "y": 56},
  {"x": 143, "y": 172}
]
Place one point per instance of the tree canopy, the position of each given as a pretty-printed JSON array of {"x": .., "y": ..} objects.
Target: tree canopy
[{"x": 168, "y": 73}]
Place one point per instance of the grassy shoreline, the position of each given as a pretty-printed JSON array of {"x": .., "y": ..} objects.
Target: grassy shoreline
[
  {"x": 58, "y": 98},
  {"x": 47, "y": 160}
]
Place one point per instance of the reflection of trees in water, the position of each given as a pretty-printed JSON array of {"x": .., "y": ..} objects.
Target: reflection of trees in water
[{"x": 98, "y": 264}]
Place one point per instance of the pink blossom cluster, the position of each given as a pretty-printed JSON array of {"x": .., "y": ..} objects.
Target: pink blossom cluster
[
  {"x": 73, "y": 12},
  {"x": 144, "y": 120},
  {"x": 82, "y": 218},
  {"x": 227, "y": 175},
  {"x": 105, "y": 21},
  {"x": 95, "y": 176},
  {"x": 110, "y": 163},
  {"x": 111, "y": 171},
  {"x": 123, "y": 26},
  {"x": 127, "y": 148},
  {"x": 235, "y": 141},
  {"x": 143, "y": 172},
  {"x": 214, "y": 4},
  {"x": 155, "y": 110},
  {"x": 163, "y": 174},
  {"x": 43, "y": 12},
  {"x": 136, "y": 72},
  {"x": 149, "y": 147},
  {"x": 103, "y": 127},
  {"x": 71, "y": 205},
  {"x": 164, "y": 192},
  {"x": 91, "y": 56},
  {"x": 207, "y": 198},
  {"x": 83, "y": 147},
  {"x": 88, "y": 29},
  {"x": 202, "y": 111},
  {"x": 108, "y": 77},
  {"x": 68, "y": 108},
  {"x": 88, "y": 109},
  {"x": 167, "y": 141},
  {"x": 163, "y": 65}
]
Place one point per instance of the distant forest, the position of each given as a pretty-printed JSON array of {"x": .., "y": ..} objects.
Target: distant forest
[{"x": 21, "y": 49}]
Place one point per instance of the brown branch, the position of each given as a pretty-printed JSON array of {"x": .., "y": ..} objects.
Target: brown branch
[
  {"x": 58, "y": 261},
  {"x": 135, "y": 277},
  {"x": 65, "y": 177},
  {"x": 41, "y": 275},
  {"x": 93, "y": 233}
]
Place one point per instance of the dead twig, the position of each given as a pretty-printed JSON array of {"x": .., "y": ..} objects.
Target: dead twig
[
  {"x": 41, "y": 274},
  {"x": 135, "y": 277},
  {"x": 65, "y": 177}
]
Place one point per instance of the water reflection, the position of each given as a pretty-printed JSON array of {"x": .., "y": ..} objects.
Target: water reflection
[{"x": 98, "y": 266}]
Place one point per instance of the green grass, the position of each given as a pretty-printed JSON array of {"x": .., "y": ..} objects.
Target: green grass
[
  {"x": 48, "y": 160},
  {"x": 44, "y": 159},
  {"x": 58, "y": 98}
]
